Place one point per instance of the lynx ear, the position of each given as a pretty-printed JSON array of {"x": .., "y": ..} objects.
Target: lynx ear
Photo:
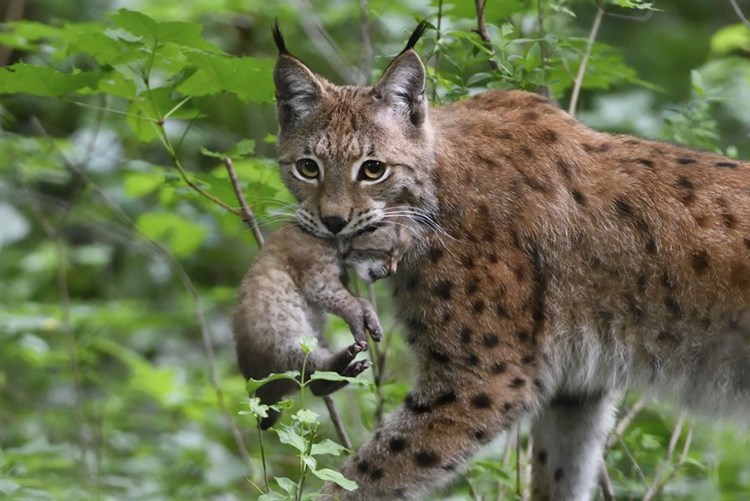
[
  {"x": 298, "y": 90},
  {"x": 402, "y": 86}
]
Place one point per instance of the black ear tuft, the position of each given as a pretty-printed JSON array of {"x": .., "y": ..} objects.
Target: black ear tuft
[
  {"x": 416, "y": 35},
  {"x": 279, "y": 39}
]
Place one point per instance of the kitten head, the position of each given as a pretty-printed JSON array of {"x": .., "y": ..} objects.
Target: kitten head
[
  {"x": 375, "y": 254},
  {"x": 355, "y": 157}
]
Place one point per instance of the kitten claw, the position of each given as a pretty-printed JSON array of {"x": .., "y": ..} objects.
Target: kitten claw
[{"x": 356, "y": 368}]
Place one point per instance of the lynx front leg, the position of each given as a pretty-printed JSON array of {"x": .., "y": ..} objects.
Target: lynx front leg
[
  {"x": 431, "y": 436},
  {"x": 569, "y": 439},
  {"x": 356, "y": 311}
]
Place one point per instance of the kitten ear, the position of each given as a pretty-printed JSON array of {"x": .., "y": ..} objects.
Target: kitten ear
[
  {"x": 298, "y": 90},
  {"x": 402, "y": 86}
]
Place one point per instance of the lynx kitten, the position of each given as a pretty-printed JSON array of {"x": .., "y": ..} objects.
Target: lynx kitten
[{"x": 295, "y": 280}]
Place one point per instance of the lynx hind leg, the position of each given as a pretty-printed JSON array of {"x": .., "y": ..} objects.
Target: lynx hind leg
[
  {"x": 569, "y": 438},
  {"x": 342, "y": 363}
]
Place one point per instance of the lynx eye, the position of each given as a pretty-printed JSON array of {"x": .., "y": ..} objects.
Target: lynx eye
[
  {"x": 372, "y": 170},
  {"x": 307, "y": 168}
]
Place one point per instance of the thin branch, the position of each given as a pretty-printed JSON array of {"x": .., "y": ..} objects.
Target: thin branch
[
  {"x": 608, "y": 493},
  {"x": 544, "y": 90},
  {"x": 659, "y": 477},
  {"x": 739, "y": 12},
  {"x": 14, "y": 12},
  {"x": 585, "y": 60},
  {"x": 247, "y": 214},
  {"x": 625, "y": 422},
  {"x": 630, "y": 456},
  {"x": 484, "y": 34},
  {"x": 436, "y": 59},
  {"x": 367, "y": 51},
  {"x": 340, "y": 430}
]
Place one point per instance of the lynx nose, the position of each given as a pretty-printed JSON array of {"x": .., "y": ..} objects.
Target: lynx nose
[{"x": 334, "y": 223}]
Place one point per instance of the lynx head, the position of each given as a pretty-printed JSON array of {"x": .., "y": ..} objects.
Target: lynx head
[{"x": 355, "y": 157}]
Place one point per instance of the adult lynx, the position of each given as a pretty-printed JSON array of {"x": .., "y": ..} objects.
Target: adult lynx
[{"x": 554, "y": 266}]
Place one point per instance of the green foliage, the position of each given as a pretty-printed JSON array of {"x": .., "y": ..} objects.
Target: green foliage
[{"x": 122, "y": 247}]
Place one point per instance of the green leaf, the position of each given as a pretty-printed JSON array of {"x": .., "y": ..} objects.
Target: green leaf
[
  {"x": 306, "y": 416},
  {"x": 731, "y": 38},
  {"x": 334, "y": 376},
  {"x": 273, "y": 496},
  {"x": 181, "y": 235},
  {"x": 246, "y": 77},
  {"x": 138, "y": 184},
  {"x": 288, "y": 435},
  {"x": 44, "y": 81},
  {"x": 286, "y": 484},
  {"x": 176, "y": 32},
  {"x": 327, "y": 446},
  {"x": 254, "y": 384},
  {"x": 308, "y": 343},
  {"x": 337, "y": 478}
]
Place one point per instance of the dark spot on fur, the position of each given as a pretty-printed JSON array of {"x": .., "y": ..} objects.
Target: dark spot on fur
[
  {"x": 651, "y": 246},
  {"x": 484, "y": 210},
  {"x": 699, "y": 261},
  {"x": 686, "y": 183},
  {"x": 686, "y": 161},
  {"x": 426, "y": 459},
  {"x": 397, "y": 444},
  {"x": 578, "y": 197},
  {"x": 623, "y": 208},
  {"x": 467, "y": 262},
  {"x": 443, "y": 289},
  {"x": 446, "y": 398},
  {"x": 478, "y": 307},
  {"x": 439, "y": 357},
  {"x": 668, "y": 337},
  {"x": 412, "y": 281},
  {"x": 666, "y": 281},
  {"x": 493, "y": 258},
  {"x": 501, "y": 311},
  {"x": 480, "y": 434},
  {"x": 363, "y": 466},
  {"x": 465, "y": 334},
  {"x": 472, "y": 287},
  {"x": 435, "y": 254},
  {"x": 746, "y": 241},
  {"x": 646, "y": 162},
  {"x": 523, "y": 336},
  {"x": 528, "y": 359},
  {"x": 481, "y": 401},
  {"x": 564, "y": 167},
  {"x": 490, "y": 340},
  {"x": 631, "y": 141},
  {"x": 498, "y": 367},
  {"x": 728, "y": 165},
  {"x": 527, "y": 152},
  {"x": 549, "y": 136},
  {"x": 517, "y": 382},
  {"x": 673, "y": 306},
  {"x": 559, "y": 474},
  {"x": 531, "y": 116},
  {"x": 416, "y": 407},
  {"x": 376, "y": 474},
  {"x": 473, "y": 359},
  {"x": 641, "y": 282},
  {"x": 729, "y": 220},
  {"x": 507, "y": 406},
  {"x": 542, "y": 456}
]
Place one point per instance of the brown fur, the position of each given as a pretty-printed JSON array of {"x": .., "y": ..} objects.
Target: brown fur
[{"x": 553, "y": 266}]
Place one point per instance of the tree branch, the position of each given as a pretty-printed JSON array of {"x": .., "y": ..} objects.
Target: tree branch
[
  {"x": 367, "y": 51},
  {"x": 484, "y": 34},
  {"x": 247, "y": 214},
  {"x": 585, "y": 60},
  {"x": 739, "y": 12}
]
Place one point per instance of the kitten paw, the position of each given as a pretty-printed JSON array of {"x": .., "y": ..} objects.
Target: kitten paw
[
  {"x": 356, "y": 368},
  {"x": 372, "y": 324}
]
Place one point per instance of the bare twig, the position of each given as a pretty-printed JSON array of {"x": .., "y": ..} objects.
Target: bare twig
[
  {"x": 544, "y": 90},
  {"x": 247, "y": 214},
  {"x": 739, "y": 12},
  {"x": 629, "y": 454},
  {"x": 367, "y": 51},
  {"x": 608, "y": 493},
  {"x": 436, "y": 59},
  {"x": 625, "y": 422},
  {"x": 340, "y": 430},
  {"x": 585, "y": 60},
  {"x": 484, "y": 34},
  {"x": 660, "y": 479}
]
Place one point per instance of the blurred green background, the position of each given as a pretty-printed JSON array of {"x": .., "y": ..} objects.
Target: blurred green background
[{"x": 117, "y": 370}]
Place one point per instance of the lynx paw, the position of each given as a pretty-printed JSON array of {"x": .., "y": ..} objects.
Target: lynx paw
[
  {"x": 356, "y": 368},
  {"x": 355, "y": 349}
]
